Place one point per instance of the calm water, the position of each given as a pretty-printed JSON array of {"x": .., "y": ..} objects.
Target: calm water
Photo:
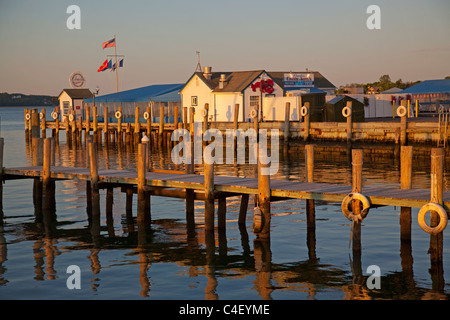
[{"x": 175, "y": 264}]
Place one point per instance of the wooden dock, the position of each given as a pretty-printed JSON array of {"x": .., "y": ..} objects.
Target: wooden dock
[{"x": 234, "y": 186}]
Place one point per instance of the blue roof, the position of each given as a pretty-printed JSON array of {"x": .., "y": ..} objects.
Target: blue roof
[
  {"x": 159, "y": 92},
  {"x": 429, "y": 86}
]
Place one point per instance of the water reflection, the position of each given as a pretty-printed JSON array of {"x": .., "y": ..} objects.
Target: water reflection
[{"x": 214, "y": 256}]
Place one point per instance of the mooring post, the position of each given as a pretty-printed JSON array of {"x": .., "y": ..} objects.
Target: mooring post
[
  {"x": 35, "y": 124},
  {"x": 46, "y": 192},
  {"x": 307, "y": 124},
  {"x": 143, "y": 213},
  {"x": 119, "y": 126},
  {"x": 264, "y": 197},
  {"x": 105, "y": 124},
  {"x": 287, "y": 113},
  {"x": 137, "y": 126},
  {"x": 95, "y": 122},
  {"x": 175, "y": 118},
  {"x": 357, "y": 163},
  {"x": 43, "y": 123},
  {"x": 205, "y": 113},
  {"x": 208, "y": 168},
  {"x": 403, "y": 125},
  {"x": 406, "y": 156},
  {"x": 310, "y": 203},
  {"x": 88, "y": 120},
  {"x": 161, "y": 125},
  {"x": 349, "y": 122},
  {"x": 95, "y": 201},
  {"x": 221, "y": 212},
  {"x": 190, "y": 193},
  {"x": 243, "y": 209},
  {"x": 37, "y": 144},
  {"x": 437, "y": 184}
]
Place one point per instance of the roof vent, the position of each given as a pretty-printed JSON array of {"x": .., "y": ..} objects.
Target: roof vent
[
  {"x": 207, "y": 72},
  {"x": 222, "y": 81}
]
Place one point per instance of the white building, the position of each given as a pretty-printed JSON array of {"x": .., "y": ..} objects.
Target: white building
[
  {"x": 223, "y": 90},
  {"x": 72, "y": 99}
]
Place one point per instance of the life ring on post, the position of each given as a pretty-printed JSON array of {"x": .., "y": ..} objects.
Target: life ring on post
[
  {"x": 41, "y": 115},
  {"x": 346, "y": 112},
  {"x": 54, "y": 115},
  {"x": 253, "y": 113},
  {"x": 257, "y": 220},
  {"x": 204, "y": 112},
  {"x": 443, "y": 218},
  {"x": 118, "y": 114},
  {"x": 401, "y": 111},
  {"x": 146, "y": 115},
  {"x": 70, "y": 117},
  {"x": 304, "y": 111},
  {"x": 28, "y": 116},
  {"x": 365, "y": 209}
]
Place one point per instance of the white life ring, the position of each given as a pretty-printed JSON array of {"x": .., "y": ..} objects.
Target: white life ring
[
  {"x": 355, "y": 196},
  {"x": 146, "y": 115},
  {"x": 257, "y": 220},
  {"x": 54, "y": 115},
  {"x": 118, "y": 114},
  {"x": 41, "y": 115},
  {"x": 443, "y": 218},
  {"x": 204, "y": 112},
  {"x": 441, "y": 109},
  {"x": 28, "y": 116},
  {"x": 401, "y": 111},
  {"x": 346, "y": 112},
  {"x": 253, "y": 113},
  {"x": 70, "y": 117},
  {"x": 304, "y": 111}
]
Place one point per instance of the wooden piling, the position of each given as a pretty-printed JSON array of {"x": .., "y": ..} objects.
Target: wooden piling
[
  {"x": 264, "y": 198},
  {"x": 94, "y": 121},
  {"x": 35, "y": 124},
  {"x": 161, "y": 125},
  {"x": 43, "y": 122},
  {"x": 137, "y": 126},
  {"x": 357, "y": 163},
  {"x": 46, "y": 192},
  {"x": 406, "y": 156},
  {"x": 349, "y": 122},
  {"x": 243, "y": 209},
  {"x": 95, "y": 200},
  {"x": 208, "y": 169},
  {"x": 437, "y": 184},
  {"x": 307, "y": 123},
  {"x": 221, "y": 212},
  {"x": 88, "y": 120},
  {"x": 37, "y": 144},
  {"x": 105, "y": 124},
  {"x": 143, "y": 215},
  {"x": 403, "y": 126},
  {"x": 287, "y": 113},
  {"x": 309, "y": 177}
]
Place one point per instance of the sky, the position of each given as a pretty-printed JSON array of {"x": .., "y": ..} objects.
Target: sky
[{"x": 159, "y": 40}]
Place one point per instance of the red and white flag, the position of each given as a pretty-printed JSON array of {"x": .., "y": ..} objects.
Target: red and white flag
[{"x": 109, "y": 44}]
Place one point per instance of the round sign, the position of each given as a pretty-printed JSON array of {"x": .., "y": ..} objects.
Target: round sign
[{"x": 77, "y": 80}]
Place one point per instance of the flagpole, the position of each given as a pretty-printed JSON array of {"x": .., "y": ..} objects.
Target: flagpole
[{"x": 115, "y": 55}]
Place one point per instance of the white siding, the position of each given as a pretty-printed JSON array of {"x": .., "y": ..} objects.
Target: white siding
[
  {"x": 224, "y": 106},
  {"x": 196, "y": 88}
]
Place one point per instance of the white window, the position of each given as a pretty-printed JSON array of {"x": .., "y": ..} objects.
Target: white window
[
  {"x": 254, "y": 101},
  {"x": 194, "y": 101},
  {"x": 65, "y": 107}
]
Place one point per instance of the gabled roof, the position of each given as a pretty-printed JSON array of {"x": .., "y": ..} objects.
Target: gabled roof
[
  {"x": 238, "y": 81},
  {"x": 164, "y": 92},
  {"x": 429, "y": 86},
  {"x": 78, "y": 93}
]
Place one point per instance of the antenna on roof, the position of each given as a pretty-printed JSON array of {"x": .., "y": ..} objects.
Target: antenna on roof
[{"x": 199, "y": 67}]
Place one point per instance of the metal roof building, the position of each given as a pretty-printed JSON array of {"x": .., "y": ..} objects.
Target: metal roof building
[
  {"x": 430, "y": 93},
  {"x": 166, "y": 95}
]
